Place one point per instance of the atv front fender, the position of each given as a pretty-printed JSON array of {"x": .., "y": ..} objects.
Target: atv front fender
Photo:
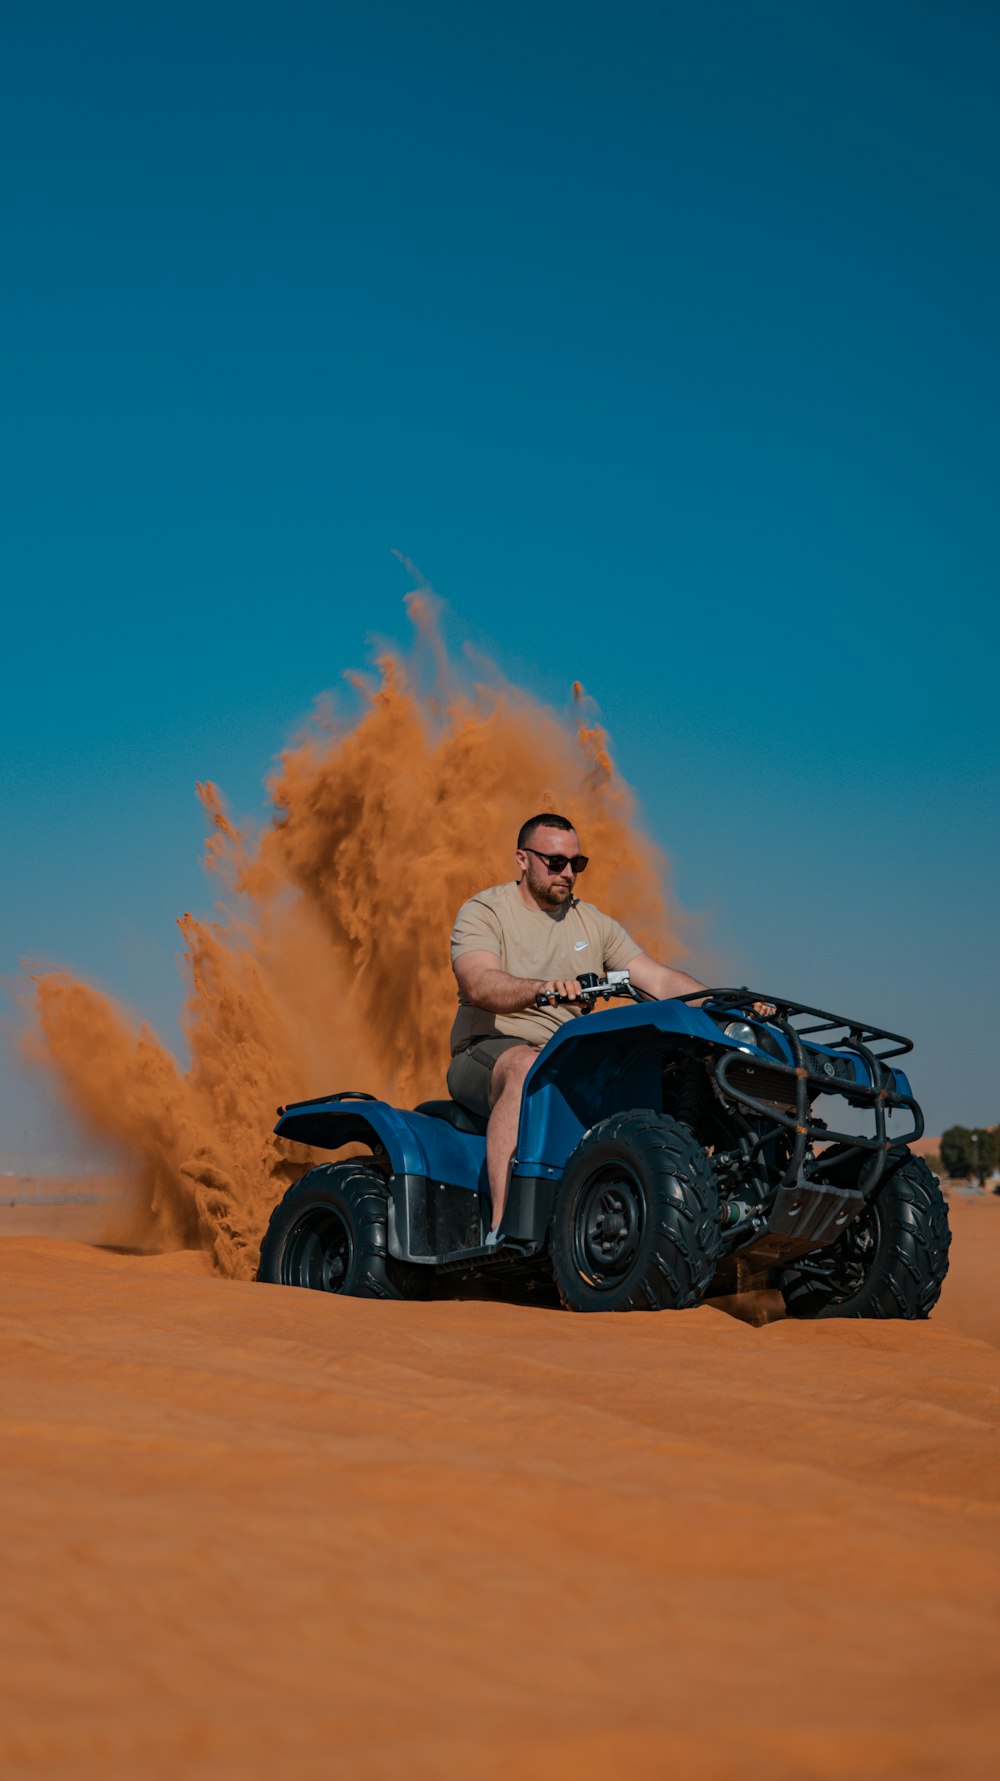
[{"x": 609, "y": 1062}]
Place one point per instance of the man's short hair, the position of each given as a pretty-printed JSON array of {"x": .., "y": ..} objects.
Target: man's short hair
[{"x": 546, "y": 821}]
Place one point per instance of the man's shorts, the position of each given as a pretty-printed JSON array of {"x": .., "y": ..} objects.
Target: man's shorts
[{"x": 470, "y": 1070}]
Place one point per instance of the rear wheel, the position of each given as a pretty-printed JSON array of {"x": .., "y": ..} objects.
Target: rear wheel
[
  {"x": 636, "y": 1223},
  {"x": 329, "y": 1234},
  {"x": 890, "y": 1262}
]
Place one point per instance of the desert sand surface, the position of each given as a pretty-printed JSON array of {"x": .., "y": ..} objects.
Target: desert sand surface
[{"x": 256, "y": 1532}]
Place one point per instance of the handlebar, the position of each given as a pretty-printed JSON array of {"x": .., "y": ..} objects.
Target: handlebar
[{"x": 592, "y": 990}]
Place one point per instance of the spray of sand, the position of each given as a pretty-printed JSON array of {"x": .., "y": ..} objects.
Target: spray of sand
[{"x": 327, "y": 966}]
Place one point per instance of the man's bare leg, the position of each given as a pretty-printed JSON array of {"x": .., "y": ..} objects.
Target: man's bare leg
[{"x": 506, "y": 1081}]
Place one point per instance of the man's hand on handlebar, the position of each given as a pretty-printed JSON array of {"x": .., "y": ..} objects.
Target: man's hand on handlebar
[
  {"x": 562, "y": 989},
  {"x": 587, "y": 990}
]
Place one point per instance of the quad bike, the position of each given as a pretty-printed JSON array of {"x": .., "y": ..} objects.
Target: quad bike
[{"x": 667, "y": 1151}]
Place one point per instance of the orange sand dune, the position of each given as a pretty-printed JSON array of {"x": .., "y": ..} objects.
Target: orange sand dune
[{"x": 255, "y": 1532}]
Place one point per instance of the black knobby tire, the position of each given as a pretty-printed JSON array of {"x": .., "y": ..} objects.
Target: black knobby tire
[
  {"x": 329, "y": 1233},
  {"x": 890, "y": 1262},
  {"x": 636, "y": 1221}
]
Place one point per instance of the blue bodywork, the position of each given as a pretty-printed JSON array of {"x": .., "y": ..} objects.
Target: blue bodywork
[
  {"x": 591, "y": 1068},
  {"x": 414, "y": 1143}
]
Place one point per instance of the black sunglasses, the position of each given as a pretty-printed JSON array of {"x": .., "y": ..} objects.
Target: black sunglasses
[{"x": 557, "y": 862}]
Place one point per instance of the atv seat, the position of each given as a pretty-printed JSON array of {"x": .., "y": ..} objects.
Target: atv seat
[{"x": 455, "y": 1115}]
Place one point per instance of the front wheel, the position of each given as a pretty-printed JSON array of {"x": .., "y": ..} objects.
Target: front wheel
[
  {"x": 636, "y": 1223},
  {"x": 890, "y": 1262},
  {"x": 329, "y": 1234}
]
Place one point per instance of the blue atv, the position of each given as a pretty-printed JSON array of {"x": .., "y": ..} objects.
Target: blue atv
[{"x": 666, "y": 1152}]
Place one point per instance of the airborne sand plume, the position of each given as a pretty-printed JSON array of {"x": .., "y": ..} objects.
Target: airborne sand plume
[{"x": 328, "y": 964}]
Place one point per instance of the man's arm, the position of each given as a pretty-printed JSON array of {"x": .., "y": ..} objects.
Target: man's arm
[
  {"x": 661, "y": 981},
  {"x": 485, "y": 985}
]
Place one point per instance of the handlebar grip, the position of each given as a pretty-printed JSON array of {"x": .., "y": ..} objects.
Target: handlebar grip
[{"x": 592, "y": 986}]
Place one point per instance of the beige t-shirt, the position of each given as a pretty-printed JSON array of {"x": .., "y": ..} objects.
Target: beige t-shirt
[{"x": 528, "y": 943}]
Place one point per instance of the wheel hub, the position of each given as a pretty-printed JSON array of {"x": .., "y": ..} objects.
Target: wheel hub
[
  {"x": 609, "y": 1226},
  {"x": 318, "y": 1251}
]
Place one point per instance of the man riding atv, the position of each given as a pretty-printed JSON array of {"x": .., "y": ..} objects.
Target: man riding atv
[
  {"x": 692, "y": 1142},
  {"x": 514, "y": 945}
]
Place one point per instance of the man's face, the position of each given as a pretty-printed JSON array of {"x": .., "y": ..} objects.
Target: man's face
[{"x": 551, "y": 889}]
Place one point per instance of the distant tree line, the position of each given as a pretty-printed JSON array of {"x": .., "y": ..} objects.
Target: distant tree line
[{"x": 971, "y": 1151}]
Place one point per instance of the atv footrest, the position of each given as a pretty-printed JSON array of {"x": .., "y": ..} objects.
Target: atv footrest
[{"x": 510, "y": 1249}]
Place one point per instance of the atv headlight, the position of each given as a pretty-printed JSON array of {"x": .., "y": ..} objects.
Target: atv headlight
[{"x": 742, "y": 1032}]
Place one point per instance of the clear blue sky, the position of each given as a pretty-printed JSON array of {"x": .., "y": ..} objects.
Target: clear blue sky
[{"x": 663, "y": 337}]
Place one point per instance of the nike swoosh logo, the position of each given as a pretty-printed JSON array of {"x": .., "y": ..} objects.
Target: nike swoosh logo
[{"x": 581, "y": 945}]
